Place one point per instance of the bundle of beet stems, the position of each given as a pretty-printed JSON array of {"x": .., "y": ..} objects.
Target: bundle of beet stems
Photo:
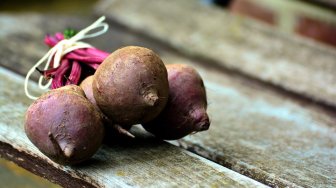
[{"x": 96, "y": 95}]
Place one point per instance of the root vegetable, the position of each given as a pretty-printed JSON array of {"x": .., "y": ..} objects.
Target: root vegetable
[
  {"x": 131, "y": 85},
  {"x": 185, "y": 112},
  {"x": 86, "y": 85},
  {"x": 64, "y": 125},
  {"x": 72, "y": 88},
  {"x": 113, "y": 131}
]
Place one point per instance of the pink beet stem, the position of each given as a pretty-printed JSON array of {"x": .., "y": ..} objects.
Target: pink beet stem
[
  {"x": 91, "y": 52},
  {"x": 53, "y": 40},
  {"x": 60, "y": 73},
  {"x": 72, "y": 64},
  {"x": 50, "y": 41},
  {"x": 74, "y": 74},
  {"x": 85, "y": 59},
  {"x": 49, "y": 73},
  {"x": 97, "y": 52},
  {"x": 59, "y": 36}
]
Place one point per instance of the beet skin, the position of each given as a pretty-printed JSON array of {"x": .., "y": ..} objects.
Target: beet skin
[
  {"x": 64, "y": 125},
  {"x": 185, "y": 111},
  {"x": 131, "y": 86},
  {"x": 113, "y": 132},
  {"x": 86, "y": 85}
]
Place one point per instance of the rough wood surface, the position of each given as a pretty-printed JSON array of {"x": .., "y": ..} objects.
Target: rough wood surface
[
  {"x": 236, "y": 43},
  {"x": 257, "y": 131},
  {"x": 145, "y": 162},
  {"x": 264, "y": 135}
]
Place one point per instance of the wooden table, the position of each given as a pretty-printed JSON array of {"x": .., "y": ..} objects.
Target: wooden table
[{"x": 273, "y": 121}]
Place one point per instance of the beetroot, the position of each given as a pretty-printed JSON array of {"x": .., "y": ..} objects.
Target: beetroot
[
  {"x": 185, "y": 112},
  {"x": 113, "y": 131},
  {"x": 64, "y": 125},
  {"x": 131, "y": 85},
  {"x": 86, "y": 85}
]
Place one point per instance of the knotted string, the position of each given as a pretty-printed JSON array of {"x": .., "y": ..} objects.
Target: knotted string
[{"x": 63, "y": 47}]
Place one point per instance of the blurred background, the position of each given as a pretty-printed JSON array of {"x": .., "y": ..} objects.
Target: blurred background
[{"x": 312, "y": 19}]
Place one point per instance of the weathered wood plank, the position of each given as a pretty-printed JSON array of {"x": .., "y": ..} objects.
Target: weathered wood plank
[
  {"x": 237, "y": 43},
  {"x": 146, "y": 162},
  {"x": 265, "y": 135},
  {"x": 16, "y": 147},
  {"x": 255, "y": 130}
]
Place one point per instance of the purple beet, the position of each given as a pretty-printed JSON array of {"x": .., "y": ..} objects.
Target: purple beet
[
  {"x": 113, "y": 132},
  {"x": 131, "y": 85},
  {"x": 64, "y": 125},
  {"x": 185, "y": 111}
]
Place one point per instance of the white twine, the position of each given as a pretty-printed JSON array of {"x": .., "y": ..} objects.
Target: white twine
[{"x": 63, "y": 47}]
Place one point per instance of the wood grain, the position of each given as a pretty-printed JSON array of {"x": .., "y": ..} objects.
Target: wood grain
[
  {"x": 145, "y": 162},
  {"x": 256, "y": 130},
  {"x": 265, "y": 135},
  {"x": 236, "y": 43}
]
